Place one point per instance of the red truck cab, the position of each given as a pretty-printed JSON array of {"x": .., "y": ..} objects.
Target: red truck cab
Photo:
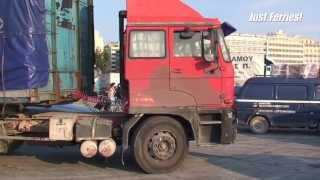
[
  {"x": 175, "y": 58},
  {"x": 178, "y": 74}
]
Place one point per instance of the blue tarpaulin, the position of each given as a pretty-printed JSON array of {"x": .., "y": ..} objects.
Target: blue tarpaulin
[{"x": 24, "y": 61}]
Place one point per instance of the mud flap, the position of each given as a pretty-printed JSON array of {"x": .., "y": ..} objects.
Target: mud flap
[
  {"x": 217, "y": 128},
  {"x": 228, "y": 127}
]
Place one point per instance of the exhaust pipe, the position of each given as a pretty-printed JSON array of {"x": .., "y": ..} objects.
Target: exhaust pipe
[
  {"x": 107, "y": 148},
  {"x": 89, "y": 149}
]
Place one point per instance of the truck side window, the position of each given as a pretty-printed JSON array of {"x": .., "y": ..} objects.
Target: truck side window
[
  {"x": 224, "y": 47},
  {"x": 187, "y": 47},
  {"x": 292, "y": 93},
  {"x": 147, "y": 44},
  {"x": 259, "y": 92}
]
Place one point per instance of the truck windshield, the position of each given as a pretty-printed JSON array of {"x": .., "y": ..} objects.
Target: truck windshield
[
  {"x": 211, "y": 40},
  {"x": 224, "y": 47}
]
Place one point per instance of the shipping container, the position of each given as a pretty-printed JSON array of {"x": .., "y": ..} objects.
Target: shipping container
[{"x": 69, "y": 41}]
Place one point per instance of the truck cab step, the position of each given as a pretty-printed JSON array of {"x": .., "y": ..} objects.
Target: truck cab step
[{"x": 210, "y": 122}]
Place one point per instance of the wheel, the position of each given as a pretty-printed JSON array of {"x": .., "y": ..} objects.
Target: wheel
[
  {"x": 259, "y": 125},
  {"x": 235, "y": 133},
  {"x": 7, "y": 147},
  {"x": 313, "y": 124},
  {"x": 4, "y": 145},
  {"x": 160, "y": 145}
]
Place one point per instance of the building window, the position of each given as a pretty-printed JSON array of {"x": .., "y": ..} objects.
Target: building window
[{"x": 147, "y": 44}]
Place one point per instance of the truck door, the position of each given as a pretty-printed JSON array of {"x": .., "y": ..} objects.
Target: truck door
[
  {"x": 189, "y": 72},
  {"x": 147, "y": 66}
]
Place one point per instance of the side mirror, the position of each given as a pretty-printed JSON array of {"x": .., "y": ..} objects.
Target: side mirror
[
  {"x": 187, "y": 34},
  {"x": 208, "y": 48},
  {"x": 227, "y": 29}
]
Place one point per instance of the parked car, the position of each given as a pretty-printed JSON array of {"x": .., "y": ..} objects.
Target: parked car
[{"x": 266, "y": 102}]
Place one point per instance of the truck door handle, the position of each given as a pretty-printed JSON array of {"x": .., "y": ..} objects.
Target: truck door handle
[{"x": 176, "y": 71}]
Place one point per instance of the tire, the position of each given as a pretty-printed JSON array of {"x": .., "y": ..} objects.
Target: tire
[
  {"x": 259, "y": 125},
  {"x": 160, "y": 145},
  {"x": 4, "y": 145},
  {"x": 235, "y": 133},
  {"x": 8, "y": 147}
]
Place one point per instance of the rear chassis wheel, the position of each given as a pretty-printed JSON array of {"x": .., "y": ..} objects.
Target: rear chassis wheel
[
  {"x": 7, "y": 146},
  {"x": 4, "y": 145},
  {"x": 160, "y": 145}
]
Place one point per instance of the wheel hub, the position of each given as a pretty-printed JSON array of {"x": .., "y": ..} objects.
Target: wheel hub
[
  {"x": 258, "y": 125},
  {"x": 162, "y": 146}
]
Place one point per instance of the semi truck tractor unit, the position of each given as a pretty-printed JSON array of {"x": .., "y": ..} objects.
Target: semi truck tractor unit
[{"x": 177, "y": 80}]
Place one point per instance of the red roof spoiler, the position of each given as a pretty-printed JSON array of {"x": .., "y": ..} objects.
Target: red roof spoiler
[{"x": 161, "y": 11}]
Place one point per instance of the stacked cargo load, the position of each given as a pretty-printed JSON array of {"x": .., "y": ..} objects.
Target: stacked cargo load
[{"x": 46, "y": 49}]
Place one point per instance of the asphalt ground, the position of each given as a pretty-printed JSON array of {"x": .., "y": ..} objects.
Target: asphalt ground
[{"x": 281, "y": 154}]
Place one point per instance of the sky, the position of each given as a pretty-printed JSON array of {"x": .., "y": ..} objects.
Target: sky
[{"x": 236, "y": 12}]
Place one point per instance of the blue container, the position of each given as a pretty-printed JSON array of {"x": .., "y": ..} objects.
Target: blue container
[{"x": 65, "y": 50}]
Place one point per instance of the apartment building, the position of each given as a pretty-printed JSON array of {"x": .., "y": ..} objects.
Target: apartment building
[{"x": 288, "y": 53}]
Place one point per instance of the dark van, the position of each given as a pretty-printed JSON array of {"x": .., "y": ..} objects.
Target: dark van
[{"x": 266, "y": 102}]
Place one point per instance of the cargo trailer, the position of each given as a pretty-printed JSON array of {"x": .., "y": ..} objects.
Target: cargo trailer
[{"x": 56, "y": 56}]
